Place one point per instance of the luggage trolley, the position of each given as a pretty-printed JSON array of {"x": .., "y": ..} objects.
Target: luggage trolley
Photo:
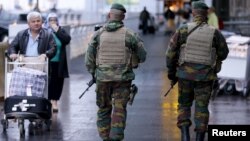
[
  {"x": 26, "y": 94},
  {"x": 235, "y": 72}
]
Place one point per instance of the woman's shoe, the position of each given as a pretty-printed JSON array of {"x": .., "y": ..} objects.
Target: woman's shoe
[
  {"x": 54, "y": 106},
  {"x": 55, "y": 110}
]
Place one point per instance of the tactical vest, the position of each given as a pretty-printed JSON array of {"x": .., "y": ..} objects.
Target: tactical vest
[
  {"x": 198, "y": 48},
  {"x": 112, "y": 49}
]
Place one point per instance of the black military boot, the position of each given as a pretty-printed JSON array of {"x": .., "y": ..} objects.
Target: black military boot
[
  {"x": 200, "y": 136},
  {"x": 185, "y": 133}
]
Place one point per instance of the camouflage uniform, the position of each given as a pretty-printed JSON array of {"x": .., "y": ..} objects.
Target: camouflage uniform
[
  {"x": 113, "y": 92},
  {"x": 195, "y": 80}
]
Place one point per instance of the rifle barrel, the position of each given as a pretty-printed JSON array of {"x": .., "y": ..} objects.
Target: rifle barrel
[
  {"x": 83, "y": 93},
  {"x": 130, "y": 102},
  {"x": 91, "y": 82},
  {"x": 168, "y": 90}
]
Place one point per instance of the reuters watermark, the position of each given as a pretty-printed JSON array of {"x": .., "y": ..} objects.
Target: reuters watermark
[{"x": 239, "y": 132}]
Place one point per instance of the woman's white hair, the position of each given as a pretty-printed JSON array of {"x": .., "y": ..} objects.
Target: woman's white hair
[{"x": 34, "y": 14}]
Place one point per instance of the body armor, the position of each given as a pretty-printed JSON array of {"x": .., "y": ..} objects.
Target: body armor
[
  {"x": 112, "y": 50},
  {"x": 198, "y": 48},
  {"x": 113, "y": 57}
]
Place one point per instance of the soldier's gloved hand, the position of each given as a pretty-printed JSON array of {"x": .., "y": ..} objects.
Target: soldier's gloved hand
[
  {"x": 13, "y": 56},
  {"x": 173, "y": 79},
  {"x": 93, "y": 78},
  {"x": 173, "y": 82}
]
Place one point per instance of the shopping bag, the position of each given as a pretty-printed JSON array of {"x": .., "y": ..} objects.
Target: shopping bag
[{"x": 27, "y": 82}]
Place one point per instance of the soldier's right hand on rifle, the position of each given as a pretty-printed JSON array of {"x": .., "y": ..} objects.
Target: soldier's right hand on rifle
[
  {"x": 173, "y": 79},
  {"x": 93, "y": 78}
]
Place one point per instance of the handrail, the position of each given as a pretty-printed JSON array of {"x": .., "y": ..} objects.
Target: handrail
[{"x": 236, "y": 22}]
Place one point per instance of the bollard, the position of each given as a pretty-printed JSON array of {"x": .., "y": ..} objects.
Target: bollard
[{"x": 3, "y": 47}]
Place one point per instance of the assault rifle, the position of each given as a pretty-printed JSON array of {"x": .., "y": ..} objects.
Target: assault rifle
[
  {"x": 91, "y": 82},
  {"x": 133, "y": 92},
  {"x": 172, "y": 85}
]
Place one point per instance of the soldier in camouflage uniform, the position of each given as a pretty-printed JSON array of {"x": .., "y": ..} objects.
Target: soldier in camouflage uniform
[
  {"x": 193, "y": 59},
  {"x": 109, "y": 58}
]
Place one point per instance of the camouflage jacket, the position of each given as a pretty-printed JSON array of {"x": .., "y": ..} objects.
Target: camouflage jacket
[
  {"x": 132, "y": 41},
  {"x": 190, "y": 71}
]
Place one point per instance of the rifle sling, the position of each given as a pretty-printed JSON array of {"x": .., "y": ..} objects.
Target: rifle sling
[{"x": 192, "y": 30}]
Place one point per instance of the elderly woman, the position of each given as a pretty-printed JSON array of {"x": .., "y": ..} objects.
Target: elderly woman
[{"x": 58, "y": 64}]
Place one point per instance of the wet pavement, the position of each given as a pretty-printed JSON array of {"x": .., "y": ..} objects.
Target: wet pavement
[{"x": 152, "y": 117}]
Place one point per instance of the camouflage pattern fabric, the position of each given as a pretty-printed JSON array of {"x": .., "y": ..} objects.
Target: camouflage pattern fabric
[
  {"x": 195, "y": 80},
  {"x": 112, "y": 96},
  {"x": 201, "y": 92},
  {"x": 132, "y": 41},
  {"x": 192, "y": 71},
  {"x": 111, "y": 118}
]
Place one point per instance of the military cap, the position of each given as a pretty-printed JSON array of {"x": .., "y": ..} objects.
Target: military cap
[
  {"x": 118, "y": 6},
  {"x": 199, "y": 5}
]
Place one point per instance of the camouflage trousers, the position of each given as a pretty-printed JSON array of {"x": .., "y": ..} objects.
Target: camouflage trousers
[
  {"x": 112, "y": 98},
  {"x": 200, "y": 93}
]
